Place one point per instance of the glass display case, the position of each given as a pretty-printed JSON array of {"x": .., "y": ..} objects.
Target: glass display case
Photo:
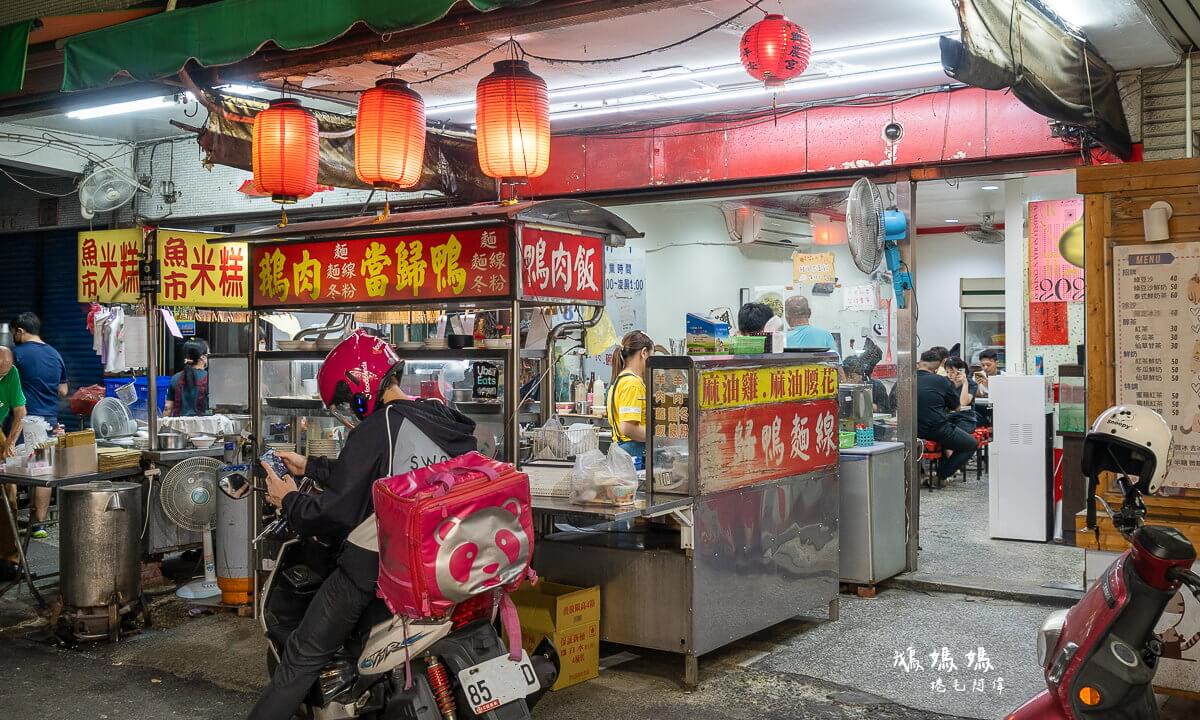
[
  {"x": 983, "y": 330},
  {"x": 291, "y": 414}
]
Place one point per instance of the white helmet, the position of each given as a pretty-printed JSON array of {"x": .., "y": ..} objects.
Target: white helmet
[{"x": 1129, "y": 440}]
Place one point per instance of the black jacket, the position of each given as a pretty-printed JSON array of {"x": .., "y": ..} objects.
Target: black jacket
[{"x": 346, "y": 501}]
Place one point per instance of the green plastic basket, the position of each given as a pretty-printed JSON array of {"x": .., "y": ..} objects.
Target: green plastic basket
[
  {"x": 746, "y": 344},
  {"x": 846, "y": 440}
]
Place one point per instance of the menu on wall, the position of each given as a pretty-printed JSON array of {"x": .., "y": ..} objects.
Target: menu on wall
[{"x": 1156, "y": 301}]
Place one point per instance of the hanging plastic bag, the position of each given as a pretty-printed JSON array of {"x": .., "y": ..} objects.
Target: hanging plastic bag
[
  {"x": 602, "y": 337},
  {"x": 599, "y": 479}
]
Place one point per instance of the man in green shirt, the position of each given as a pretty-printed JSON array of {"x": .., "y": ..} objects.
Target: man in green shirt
[{"x": 12, "y": 402}]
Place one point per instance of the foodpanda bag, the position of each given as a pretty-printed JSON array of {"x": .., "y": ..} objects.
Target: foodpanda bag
[{"x": 451, "y": 531}]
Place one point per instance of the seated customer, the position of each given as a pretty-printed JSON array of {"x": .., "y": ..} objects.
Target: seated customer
[
  {"x": 956, "y": 372},
  {"x": 753, "y": 318},
  {"x": 989, "y": 367},
  {"x": 803, "y": 333},
  {"x": 855, "y": 374},
  {"x": 936, "y": 399}
]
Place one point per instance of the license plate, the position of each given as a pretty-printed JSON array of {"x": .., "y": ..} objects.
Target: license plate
[{"x": 497, "y": 682}]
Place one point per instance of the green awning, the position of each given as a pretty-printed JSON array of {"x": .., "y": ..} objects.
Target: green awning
[
  {"x": 225, "y": 32},
  {"x": 14, "y": 44}
]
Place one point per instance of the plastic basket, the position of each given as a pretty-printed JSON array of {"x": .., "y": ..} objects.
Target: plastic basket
[
  {"x": 563, "y": 444},
  {"x": 746, "y": 344}
]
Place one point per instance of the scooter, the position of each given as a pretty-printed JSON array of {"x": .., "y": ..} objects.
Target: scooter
[
  {"x": 1100, "y": 656},
  {"x": 395, "y": 668}
]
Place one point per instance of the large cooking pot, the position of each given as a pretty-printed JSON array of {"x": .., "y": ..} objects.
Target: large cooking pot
[{"x": 99, "y": 554}]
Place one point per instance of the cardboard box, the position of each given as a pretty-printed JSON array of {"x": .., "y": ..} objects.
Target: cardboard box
[{"x": 570, "y": 617}]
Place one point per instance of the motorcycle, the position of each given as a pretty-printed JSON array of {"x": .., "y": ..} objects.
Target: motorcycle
[
  {"x": 1100, "y": 656},
  {"x": 391, "y": 667}
]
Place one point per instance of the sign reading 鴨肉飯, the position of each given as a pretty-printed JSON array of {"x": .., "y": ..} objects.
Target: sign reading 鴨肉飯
[
  {"x": 561, "y": 267},
  {"x": 463, "y": 264},
  {"x": 195, "y": 273},
  {"x": 107, "y": 265}
]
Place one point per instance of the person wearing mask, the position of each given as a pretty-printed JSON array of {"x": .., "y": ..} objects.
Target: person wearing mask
[
  {"x": 856, "y": 375},
  {"x": 44, "y": 382},
  {"x": 943, "y": 355},
  {"x": 188, "y": 392},
  {"x": 626, "y": 399},
  {"x": 12, "y": 403},
  {"x": 956, "y": 372},
  {"x": 390, "y": 433},
  {"x": 803, "y": 333},
  {"x": 989, "y": 367},
  {"x": 936, "y": 399}
]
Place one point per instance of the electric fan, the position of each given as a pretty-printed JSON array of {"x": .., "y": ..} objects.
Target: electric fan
[
  {"x": 188, "y": 497},
  {"x": 105, "y": 188},
  {"x": 875, "y": 234},
  {"x": 111, "y": 419}
]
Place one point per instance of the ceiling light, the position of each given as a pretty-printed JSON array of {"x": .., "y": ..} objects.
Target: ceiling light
[
  {"x": 952, "y": 221},
  {"x": 990, "y": 187},
  {"x": 152, "y": 103},
  {"x": 237, "y": 89}
]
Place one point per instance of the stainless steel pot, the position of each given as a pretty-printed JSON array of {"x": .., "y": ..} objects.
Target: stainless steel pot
[
  {"x": 172, "y": 441},
  {"x": 100, "y": 545}
]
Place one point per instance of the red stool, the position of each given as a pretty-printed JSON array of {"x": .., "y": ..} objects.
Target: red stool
[
  {"x": 932, "y": 452},
  {"x": 983, "y": 438}
]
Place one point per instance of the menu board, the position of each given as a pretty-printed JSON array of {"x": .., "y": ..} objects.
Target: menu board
[{"x": 1156, "y": 298}]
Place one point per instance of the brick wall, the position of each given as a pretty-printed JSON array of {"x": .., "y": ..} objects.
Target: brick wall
[{"x": 14, "y": 10}]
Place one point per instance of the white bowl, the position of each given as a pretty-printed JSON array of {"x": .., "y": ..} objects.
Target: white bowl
[
  {"x": 203, "y": 441},
  {"x": 498, "y": 343}
]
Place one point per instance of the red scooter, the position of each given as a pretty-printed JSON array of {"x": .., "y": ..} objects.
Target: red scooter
[{"x": 1100, "y": 656}]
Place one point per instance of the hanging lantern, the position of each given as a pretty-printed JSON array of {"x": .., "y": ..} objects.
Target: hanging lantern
[
  {"x": 512, "y": 123},
  {"x": 775, "y": 50},
  {"x": 285, "y": 151},
  {"x": 389, "y": 136}
]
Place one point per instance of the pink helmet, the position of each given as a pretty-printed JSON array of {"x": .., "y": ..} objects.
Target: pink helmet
[{"x": 352, "y": 375}]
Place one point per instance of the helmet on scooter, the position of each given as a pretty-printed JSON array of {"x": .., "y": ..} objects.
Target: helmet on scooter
[
  {"x": 1130, "y": 440},
  {"x": 354, "y": 375}
]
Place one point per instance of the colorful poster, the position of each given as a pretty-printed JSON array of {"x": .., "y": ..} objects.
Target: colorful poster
[
  {"x": 813, "y": 268},
  {"x": 108, "y": 263},
  {"x": 760, "y": 386},
  {"x": 740, "y": 446},
  {"x": 196, "y": 273},
  {"x": 1048, "y": 323},
  {"x": 1051, "y": 278},
  {"x": 1156, "y": 328},
  {"x": 561, "y": 267},
  {"x": 469, "y": 263}
]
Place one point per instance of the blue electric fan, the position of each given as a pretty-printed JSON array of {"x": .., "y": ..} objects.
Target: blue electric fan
[{"x": 875, "y": 234}]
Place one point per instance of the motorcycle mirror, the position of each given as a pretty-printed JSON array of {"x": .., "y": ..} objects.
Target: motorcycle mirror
[{"x": 235, "y": 486}]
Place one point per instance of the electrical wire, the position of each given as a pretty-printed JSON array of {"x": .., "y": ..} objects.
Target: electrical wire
[{"x": 36, "y": 190}]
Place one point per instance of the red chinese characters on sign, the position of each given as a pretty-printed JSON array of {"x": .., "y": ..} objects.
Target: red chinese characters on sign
[
  {"x": 559, "y": 266},
  {"x": 462, "y": 264},
  {"x": 108, "y": 265},
  {"x": 751, "y": 444}
]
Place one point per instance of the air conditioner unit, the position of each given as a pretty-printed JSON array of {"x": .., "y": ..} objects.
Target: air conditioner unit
[{"x": 747, "y": 224}]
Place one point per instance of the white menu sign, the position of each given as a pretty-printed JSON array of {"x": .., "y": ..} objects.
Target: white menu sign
[{"x": 1157, "y": 342}]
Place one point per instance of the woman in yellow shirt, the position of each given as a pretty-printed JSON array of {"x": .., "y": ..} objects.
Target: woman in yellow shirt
[{"x": 627, "y": 393}]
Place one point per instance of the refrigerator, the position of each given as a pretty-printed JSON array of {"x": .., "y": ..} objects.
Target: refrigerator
[{"x": 1020, "y": 472}]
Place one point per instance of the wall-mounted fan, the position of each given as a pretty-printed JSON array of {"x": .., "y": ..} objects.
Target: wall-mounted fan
[
  {"x": 105, "y": 188},
  {"x": 875, "y": 233}
]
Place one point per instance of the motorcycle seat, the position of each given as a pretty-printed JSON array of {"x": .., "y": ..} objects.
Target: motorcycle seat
[{"x": 1165, "y": 543}]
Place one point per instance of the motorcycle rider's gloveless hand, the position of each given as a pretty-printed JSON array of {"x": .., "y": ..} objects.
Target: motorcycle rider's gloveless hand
[{"x": 278, "y": 488}]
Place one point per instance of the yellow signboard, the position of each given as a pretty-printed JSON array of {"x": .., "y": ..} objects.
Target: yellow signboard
[
  {"x": 813, "y": 268},
  {"x": 761, "y": 386},
  {"x": 197, "y": 274},
  {"x": 108, "y": 265}
]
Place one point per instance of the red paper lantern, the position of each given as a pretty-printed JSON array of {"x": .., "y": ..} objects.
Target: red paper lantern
[
  {"x": 775, "y": 50},
  {"x": 285, "y": 151},
  {"x": 512, "y": 123},
  {"x": 389, "y": 137}
]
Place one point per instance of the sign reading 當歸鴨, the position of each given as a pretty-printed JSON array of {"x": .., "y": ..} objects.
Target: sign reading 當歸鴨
[
  {"x": 760, "y": 386},
  {"x": 756, "y": 443},
  {"x": 447, "y": 265},
  {"x": 108, "y": 263},
  {"x": 561, "y": 267},
  {"x": 195, "y": 273}
]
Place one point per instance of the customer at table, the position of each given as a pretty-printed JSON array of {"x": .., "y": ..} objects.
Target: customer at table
[
  {"x": 936, "y": 399},
  {"x": 44, "y": 382},
  {"x": 627, "y": 393},
  {"x": 12, "y": 404},
  {"x": 803, "y": 333},
  {"x": 753, "y": 319},
  {"x": 956, "y": 372},
  {"x": 188, "y": 392},
  {"x": 989, "y": 367},
  {"x": 856, "y": 375}
]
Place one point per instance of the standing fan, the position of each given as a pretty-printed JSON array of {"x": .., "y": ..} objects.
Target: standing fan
[
  {"x": 188, "y": 497},
  {"x": 875, "y": 234}
]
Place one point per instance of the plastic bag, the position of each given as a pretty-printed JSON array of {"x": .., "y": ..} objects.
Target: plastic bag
[{"x": 599, "y": 479}]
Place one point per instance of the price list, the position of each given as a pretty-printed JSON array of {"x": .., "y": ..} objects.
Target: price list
[{"x": 1157, "y": 342}]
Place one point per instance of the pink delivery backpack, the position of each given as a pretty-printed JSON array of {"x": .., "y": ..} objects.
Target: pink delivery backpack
[{"x": 451, "y": 531}]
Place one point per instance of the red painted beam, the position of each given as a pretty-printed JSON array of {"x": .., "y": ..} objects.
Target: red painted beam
[
  {"x": 965, "y": 125},
  {"x": 949, "y": 228}
]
